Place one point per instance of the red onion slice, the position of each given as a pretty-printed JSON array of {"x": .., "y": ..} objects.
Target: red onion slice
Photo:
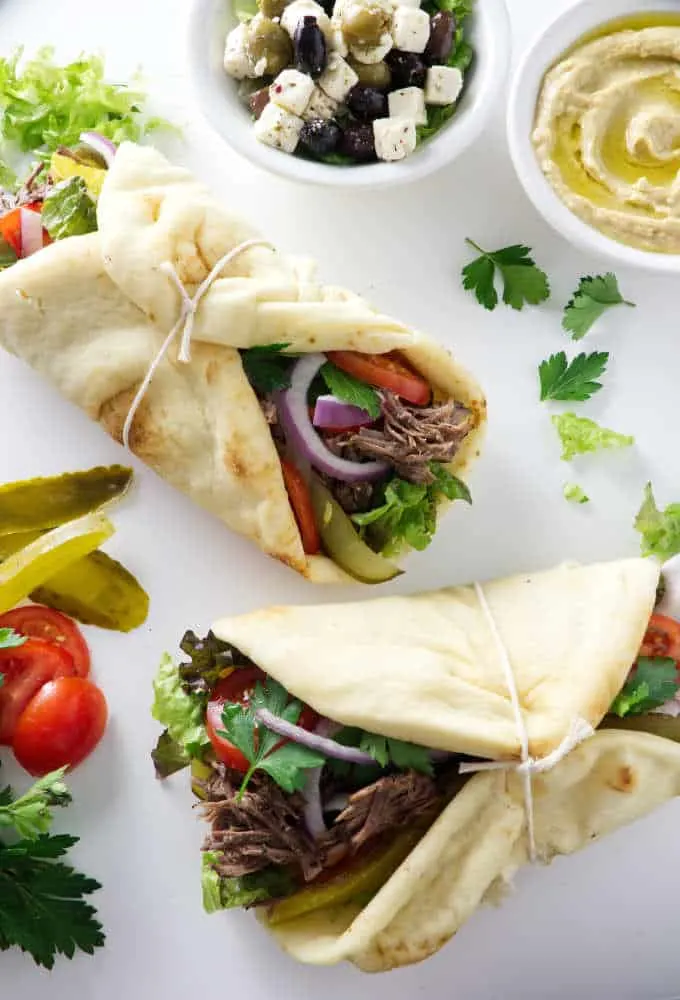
[
  {"x": 312, "y": 740},
  {"x": 302, "y": 437},
  {"x": 31, "y": 232},
  {"x": 333, "y": 414},
  {"x": 313, "y": 810},
  {"x": 100, "y": 145}
]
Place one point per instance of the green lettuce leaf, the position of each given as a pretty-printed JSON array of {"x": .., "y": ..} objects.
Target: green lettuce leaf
[
  {"x": 180, "y": 713},
  {"x": 653, "y": 682},
  {"x": 68, "y": 210},
  {"x": 44, "y": 105},
  {"x": 409, "y": 512},
  {"x": 660, "y": 529},
  {"x": 580, "y": 435},
  {"x": 228, "y": 893}
]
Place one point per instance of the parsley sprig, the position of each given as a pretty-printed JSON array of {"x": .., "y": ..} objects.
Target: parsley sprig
[
  {"x": 266, "y": 368},
  {"x": 42, "y": 905},
  {"x": 523, "y": 281},
  {"x": 350, "y": 389},
  {"x": 594, "y": 295},
  {"x": 285, "y": 764},
  {"x": 573, "y": 380},
  {"x": 654, "y": 681}
]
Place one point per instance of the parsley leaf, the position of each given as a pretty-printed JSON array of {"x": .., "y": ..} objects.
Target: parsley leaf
[
  {"x": 523, "y": 281},
  {"x": 42, "y": 910},
  {"x": 594, "y": 295},
  {"x": 409, "y": 511},
  {"x": 405, "y": 756},
  {"x": 31, "y": 815},
  {"x": 266, "y": 368},
  {"x": 351, "y": 390},
  {"x": 573, "y": 380},
  {"x": 285, "y": 765},
  {"x": 580, "y": 435},
  {"x": 575, "y": 494},
  {"x": 653, "y": 681},
  {"x": 660, "y": 529}
]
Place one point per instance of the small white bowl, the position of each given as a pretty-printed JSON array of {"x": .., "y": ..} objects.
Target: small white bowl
[
  {"x": 217, "y": 96},
  {"x": 563, "y": 32}
]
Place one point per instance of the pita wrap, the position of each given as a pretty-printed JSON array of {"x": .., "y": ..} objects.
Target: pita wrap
[
  {"x": 480, "y": 840},
  {"x": 92, "y": 312},
  {"x": 426, "y": 668}
]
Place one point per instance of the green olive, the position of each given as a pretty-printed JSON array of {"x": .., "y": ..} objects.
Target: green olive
[
  {"x": 272, "y": 8},
  {"x": 364, "y": 25},
  {"x": 269, "y": 41},
  {"x": 372, "y": 74}
]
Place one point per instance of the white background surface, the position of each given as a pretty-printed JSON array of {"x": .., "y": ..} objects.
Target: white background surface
[{"x": 604, "y": 924}]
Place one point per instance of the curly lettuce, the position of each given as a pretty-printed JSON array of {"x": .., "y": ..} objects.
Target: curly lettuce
[{"x": 182, "y": 715}]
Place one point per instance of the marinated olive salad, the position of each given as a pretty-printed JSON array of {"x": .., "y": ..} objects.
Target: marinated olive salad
[{"x": 350, "y": 81}]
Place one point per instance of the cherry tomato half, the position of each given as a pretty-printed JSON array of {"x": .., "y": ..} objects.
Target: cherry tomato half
[
  {"x": 26, "y": 668},
  {"x": 301, "y": 502},
  {"x": 662, "y": 638},
  {"x": 60, "y": 726},
  {"x": 39, "y": 622},
  {"x": 386, "y": 371},
  {"x": 236, "y": 690}
]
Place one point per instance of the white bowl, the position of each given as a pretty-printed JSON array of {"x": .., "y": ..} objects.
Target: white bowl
[
  {"x": 545, "y": 50},
  {"x": 217, "y": 96}
]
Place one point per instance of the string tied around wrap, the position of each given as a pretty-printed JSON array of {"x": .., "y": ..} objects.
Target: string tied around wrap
[
  {"x": 527, "y": 766},
  {"x": 185, "y": 322}
]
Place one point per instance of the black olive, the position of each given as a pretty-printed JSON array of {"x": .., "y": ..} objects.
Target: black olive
[
  {"x": 442, "y": 28},
  {"x": 408, "y": 69},
  {"x": 328, "y": 6},
  {"x": 366, "y": 103},
  {"x": 358, "y": 142},
  {"x": 258, "y": 101},
  {"x": 320, "y": 137},
  {"x": 310, "y": 47}
]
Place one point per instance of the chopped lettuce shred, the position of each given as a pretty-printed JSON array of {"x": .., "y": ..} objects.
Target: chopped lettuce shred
[
  {"x": 44, "y": 105},
  {"x": 247, "y": 890},
  {"x": 182, "y": 714},
  {"x": 580, "y": 435},
  {"x": 659, "y": 529}
]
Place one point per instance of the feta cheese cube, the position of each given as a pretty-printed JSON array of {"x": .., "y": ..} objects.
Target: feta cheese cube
[
  {"x": 373, "y": 53},
  {"x": 410, "y": 29},
  {"x": 320, "y": 106},
  {"x": 443, "y": 85},
  {"x": 337, "y": 41},
  {"x": 236, "y": 59},
  {"x": 278, "y": 128},
  {"x": 338, "y": 78},
  {"x": 394, "y": 138},
  {"x": 295, "y": 11},
  {"x": 292, "y": 91},
  {"x": 408, "y": 103}
]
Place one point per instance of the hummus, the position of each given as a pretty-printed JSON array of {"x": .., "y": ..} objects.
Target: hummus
[{"x": 607, "y": 134}]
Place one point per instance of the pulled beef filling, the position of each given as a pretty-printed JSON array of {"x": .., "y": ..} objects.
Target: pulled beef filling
[
  {"x": 411, "y": 437},
  {"x": 267, "y": 827}
]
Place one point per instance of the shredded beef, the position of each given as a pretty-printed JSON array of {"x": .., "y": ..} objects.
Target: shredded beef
[
  {"x": 354, "y": 498},
  {"x": 412, "y": 436},
  {"x": 388, "y": 803},
  {"x": 267, "y": 826}
]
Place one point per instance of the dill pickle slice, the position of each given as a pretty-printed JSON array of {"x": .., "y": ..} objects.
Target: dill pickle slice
[
  {"x": 95, "y": 590},
  {"x": 32, "y": 565},
  {"x": 35, "y": 504},
  {"x": 360, "y": 879},
  {"x": 658, "y": 725}
]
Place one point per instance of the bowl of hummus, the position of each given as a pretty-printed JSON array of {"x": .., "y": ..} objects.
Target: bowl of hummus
[{"x": 594, "y": 128}]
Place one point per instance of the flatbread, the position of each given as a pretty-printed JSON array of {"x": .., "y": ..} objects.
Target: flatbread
[
  {"x": 426, "y": 668},
  {"x": 91, "y": 313},
  {"x": 480, "y": 840}
]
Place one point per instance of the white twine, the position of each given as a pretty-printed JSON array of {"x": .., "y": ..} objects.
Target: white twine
[
  {"x": 579, "y": 731},
  {"x": 185, "y": 323}
]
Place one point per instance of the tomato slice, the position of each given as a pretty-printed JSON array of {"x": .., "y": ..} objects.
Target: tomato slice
[
  {"x": 301, "y": 502},
  {"x": 39, "y": 622},
  {"x": 236, "y": 690},
  {"x": 26, "y": 668},
  {"x": 10, "y": 226},
  {"x": 662, "y": 638},
  {"x": 386, "y": 371},
  {"x": 60, "y": 726}
]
